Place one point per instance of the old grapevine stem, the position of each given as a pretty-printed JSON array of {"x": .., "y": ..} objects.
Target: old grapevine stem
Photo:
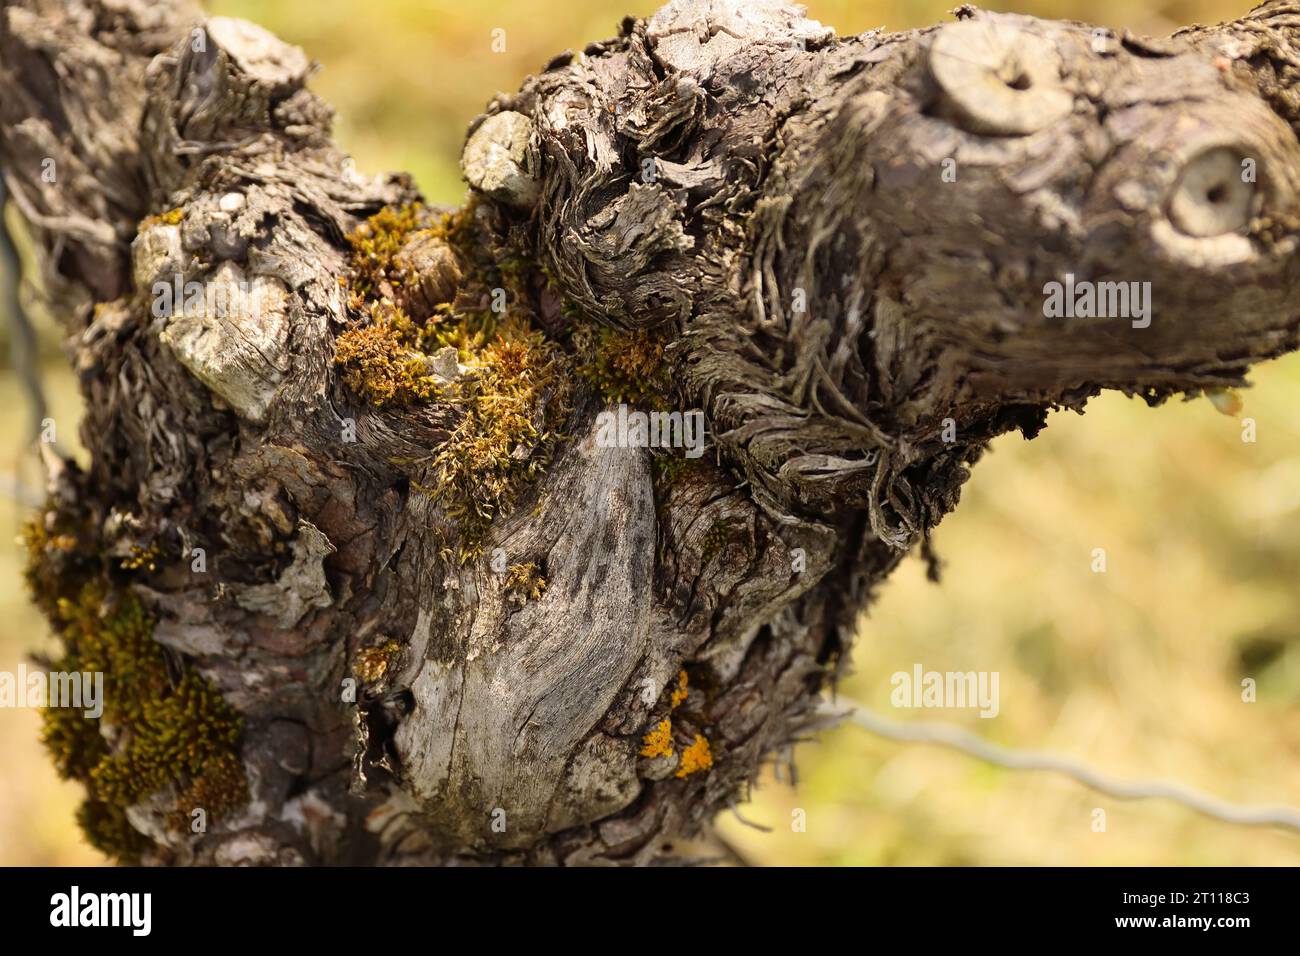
[{"x": 841, "y": 245}]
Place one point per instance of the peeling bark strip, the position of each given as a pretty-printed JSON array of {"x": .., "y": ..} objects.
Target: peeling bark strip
[{"x": 368, "y": 523}]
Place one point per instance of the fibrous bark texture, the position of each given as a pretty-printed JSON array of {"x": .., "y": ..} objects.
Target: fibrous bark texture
[{"x": 354, "y": 506}]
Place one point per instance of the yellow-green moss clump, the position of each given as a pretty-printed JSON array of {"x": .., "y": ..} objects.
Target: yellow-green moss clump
[
  {"x": 716, "y": 538},
  {"x": 512, "y": 400},
  {"x": 375, "y": 247},
  {"x": 507, "y": 387},
  {"x": 371, "y": 664},
  {"x": 142, "y": 557},
  {"x": 623, "y": 367},
  {"x": 669, "y": 468},
  {"x": 524, "y": 582},
  {"x": 168, "y": 730},
  {"x": 382, "y": 361},
  {"x": 176, "y": 732},
  {"x": 108, "y": 830},
  {"x": 53, "y": 558}
]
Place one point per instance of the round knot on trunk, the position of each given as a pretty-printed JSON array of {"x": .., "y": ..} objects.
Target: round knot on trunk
[
  {"x": 1215, "y": 194},
  {"x": 998, "y": 79}
]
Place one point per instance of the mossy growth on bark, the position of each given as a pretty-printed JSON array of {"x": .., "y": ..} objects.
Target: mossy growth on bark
[
  {"x": 53, "y": 558},
  {"x": 513, "y": 404},
  {"x": 162, "y": 731},
  {"x": 376, "y": 245},
  {"x": 446, "y": 311},
  {"x": 382, "y": 361},
  {"x": 524, "y": 582},
  {"x": 109, "y": 831},
  {"x": 717, "y": 538},
  {"x": 372, "y": 664},
  {"x": 623, "y": 367},
  {"x": 480, "y": 352},
  {"x": 670, "y": 466}
]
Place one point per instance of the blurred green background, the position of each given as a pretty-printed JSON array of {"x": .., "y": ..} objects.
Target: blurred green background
[{"x": 1136, "y": 671}]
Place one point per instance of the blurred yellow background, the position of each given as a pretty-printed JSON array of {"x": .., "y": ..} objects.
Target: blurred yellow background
[{"x": 1136, "y": 670}]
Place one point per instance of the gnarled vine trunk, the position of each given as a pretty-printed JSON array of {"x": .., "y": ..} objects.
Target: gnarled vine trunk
[{"x": 370, "y": 582}]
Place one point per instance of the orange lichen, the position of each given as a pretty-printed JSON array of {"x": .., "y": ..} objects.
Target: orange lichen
[
  {"x": 680, "y": 693},
  {"x": 172, "y": 217},
  {"x": 696, "y": 757},
  {"x": 659, "y": 741}
]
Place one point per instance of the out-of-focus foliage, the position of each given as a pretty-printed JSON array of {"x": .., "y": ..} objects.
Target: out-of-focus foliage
[{"x": 1136, "y": 670}]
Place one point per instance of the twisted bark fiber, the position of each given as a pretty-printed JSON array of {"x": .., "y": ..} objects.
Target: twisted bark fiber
[{"x": 564, "y": 652}]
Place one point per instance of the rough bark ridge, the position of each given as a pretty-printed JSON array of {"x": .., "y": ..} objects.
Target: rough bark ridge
[{"x": 571, "y": 652}]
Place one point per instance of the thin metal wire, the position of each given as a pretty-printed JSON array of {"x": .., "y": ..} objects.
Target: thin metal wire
[{"x": 957, "y": 738}]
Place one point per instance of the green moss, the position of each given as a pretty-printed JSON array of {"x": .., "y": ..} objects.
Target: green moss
[
  {"x": 187, "y": 738},
  {"x": 72, "y": 741},
  {"x": 372, "y": 664},
  {"x": 512, "y": 402},
  {"x": 166, "y": 729},
  {"x": 382, "y": 361},
  {"x": 54, "y": 559},
  {"x": 623, "y": 367},
  {"x": 671, "y": 468},
  {"x": 376, "y": 244},
  {"x": 108, "y": 831},
  {"x": 524, "y": 583},
  {"x": 218, "y": 786},
  {"x": 510, "y": 396},
  {"x": 142, "y": 557},
  {"x": 667, "y": 469},
  {"x": 716, "y": 538},
  {"x": 468, "y": 331},
  {"x": 176, "y": 732},
  {"x": 516, "y": 384}
]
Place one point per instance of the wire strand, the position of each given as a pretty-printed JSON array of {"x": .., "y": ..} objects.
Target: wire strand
[{"x": 957, "y": 738}]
